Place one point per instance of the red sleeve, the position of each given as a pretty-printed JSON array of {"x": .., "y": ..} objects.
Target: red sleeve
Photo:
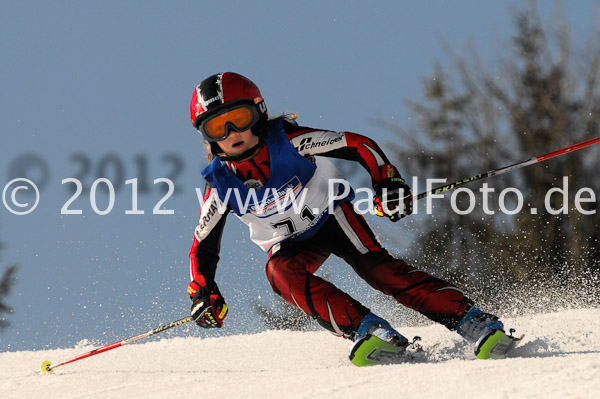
[
  {"x": 204, "y": 254},
  {"x": 343, "y": 145}
]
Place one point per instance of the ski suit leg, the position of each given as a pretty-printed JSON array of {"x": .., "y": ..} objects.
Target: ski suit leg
[
  {"x": 290, "y": 273},
  {"x": 413, "y": 288}
]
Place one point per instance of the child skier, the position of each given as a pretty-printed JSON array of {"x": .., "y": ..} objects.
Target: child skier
[{"x": 258, "y": 164}]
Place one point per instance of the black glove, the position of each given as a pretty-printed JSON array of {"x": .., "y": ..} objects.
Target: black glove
[
  {"x": 208, "y": 307},
  {"x": 393, "y": 198}
]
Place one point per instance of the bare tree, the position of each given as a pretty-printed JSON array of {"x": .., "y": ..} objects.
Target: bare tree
[
  {"x": 6, "y": 283},
  {"x": 541, "y": 97}
]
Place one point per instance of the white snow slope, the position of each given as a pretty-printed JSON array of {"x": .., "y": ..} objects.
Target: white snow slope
[{"x": 559, "y": 358}]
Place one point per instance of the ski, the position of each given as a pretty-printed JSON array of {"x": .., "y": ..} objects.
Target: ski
[
  {"x": 496, "y": 344},
  {"x": 371, "y": 350}
]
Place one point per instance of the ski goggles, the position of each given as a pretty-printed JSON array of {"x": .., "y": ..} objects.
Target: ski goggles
[{"x": 238, "y": 116}]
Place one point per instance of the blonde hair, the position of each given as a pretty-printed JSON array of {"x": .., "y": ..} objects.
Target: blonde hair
[{"x": 209, "y": 154}]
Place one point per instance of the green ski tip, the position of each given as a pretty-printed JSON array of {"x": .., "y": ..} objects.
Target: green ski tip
[
  {"x": 495, "y": 345},
  {"x": 372, "y": 350}
]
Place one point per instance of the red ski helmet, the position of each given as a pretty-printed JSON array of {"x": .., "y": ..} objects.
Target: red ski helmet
[{"x": 222, "y": 92}]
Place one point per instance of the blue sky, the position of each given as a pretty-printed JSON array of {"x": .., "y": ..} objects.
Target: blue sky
[{"x": 93, "y": 88}]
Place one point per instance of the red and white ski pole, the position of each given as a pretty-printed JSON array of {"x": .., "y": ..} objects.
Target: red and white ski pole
[
  {"x": 505, "y": 169},
  {"x": 47, "y": 367}
]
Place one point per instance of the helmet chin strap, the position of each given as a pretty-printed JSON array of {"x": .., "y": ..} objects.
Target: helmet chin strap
[{"x": 244, "y": 155}]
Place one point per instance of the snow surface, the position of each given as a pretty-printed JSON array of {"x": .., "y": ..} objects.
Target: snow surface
[{"x": 559, "y": 358}]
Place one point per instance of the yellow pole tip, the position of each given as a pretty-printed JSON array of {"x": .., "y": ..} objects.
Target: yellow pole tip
[{"x": 46, "y": 367}]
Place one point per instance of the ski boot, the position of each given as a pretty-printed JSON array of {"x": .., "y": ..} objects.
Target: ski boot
[
  {"x": 487, "y": 332},
  {"x": 376, "y": 342}
]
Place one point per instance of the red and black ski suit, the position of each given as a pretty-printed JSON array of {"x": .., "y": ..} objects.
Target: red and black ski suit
[{"x": 293, "y": 262}]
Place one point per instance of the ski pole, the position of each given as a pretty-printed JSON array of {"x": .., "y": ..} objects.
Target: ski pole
[
  {"x": 505, "y": 169},
  {"x": 47, "y": 367}
]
